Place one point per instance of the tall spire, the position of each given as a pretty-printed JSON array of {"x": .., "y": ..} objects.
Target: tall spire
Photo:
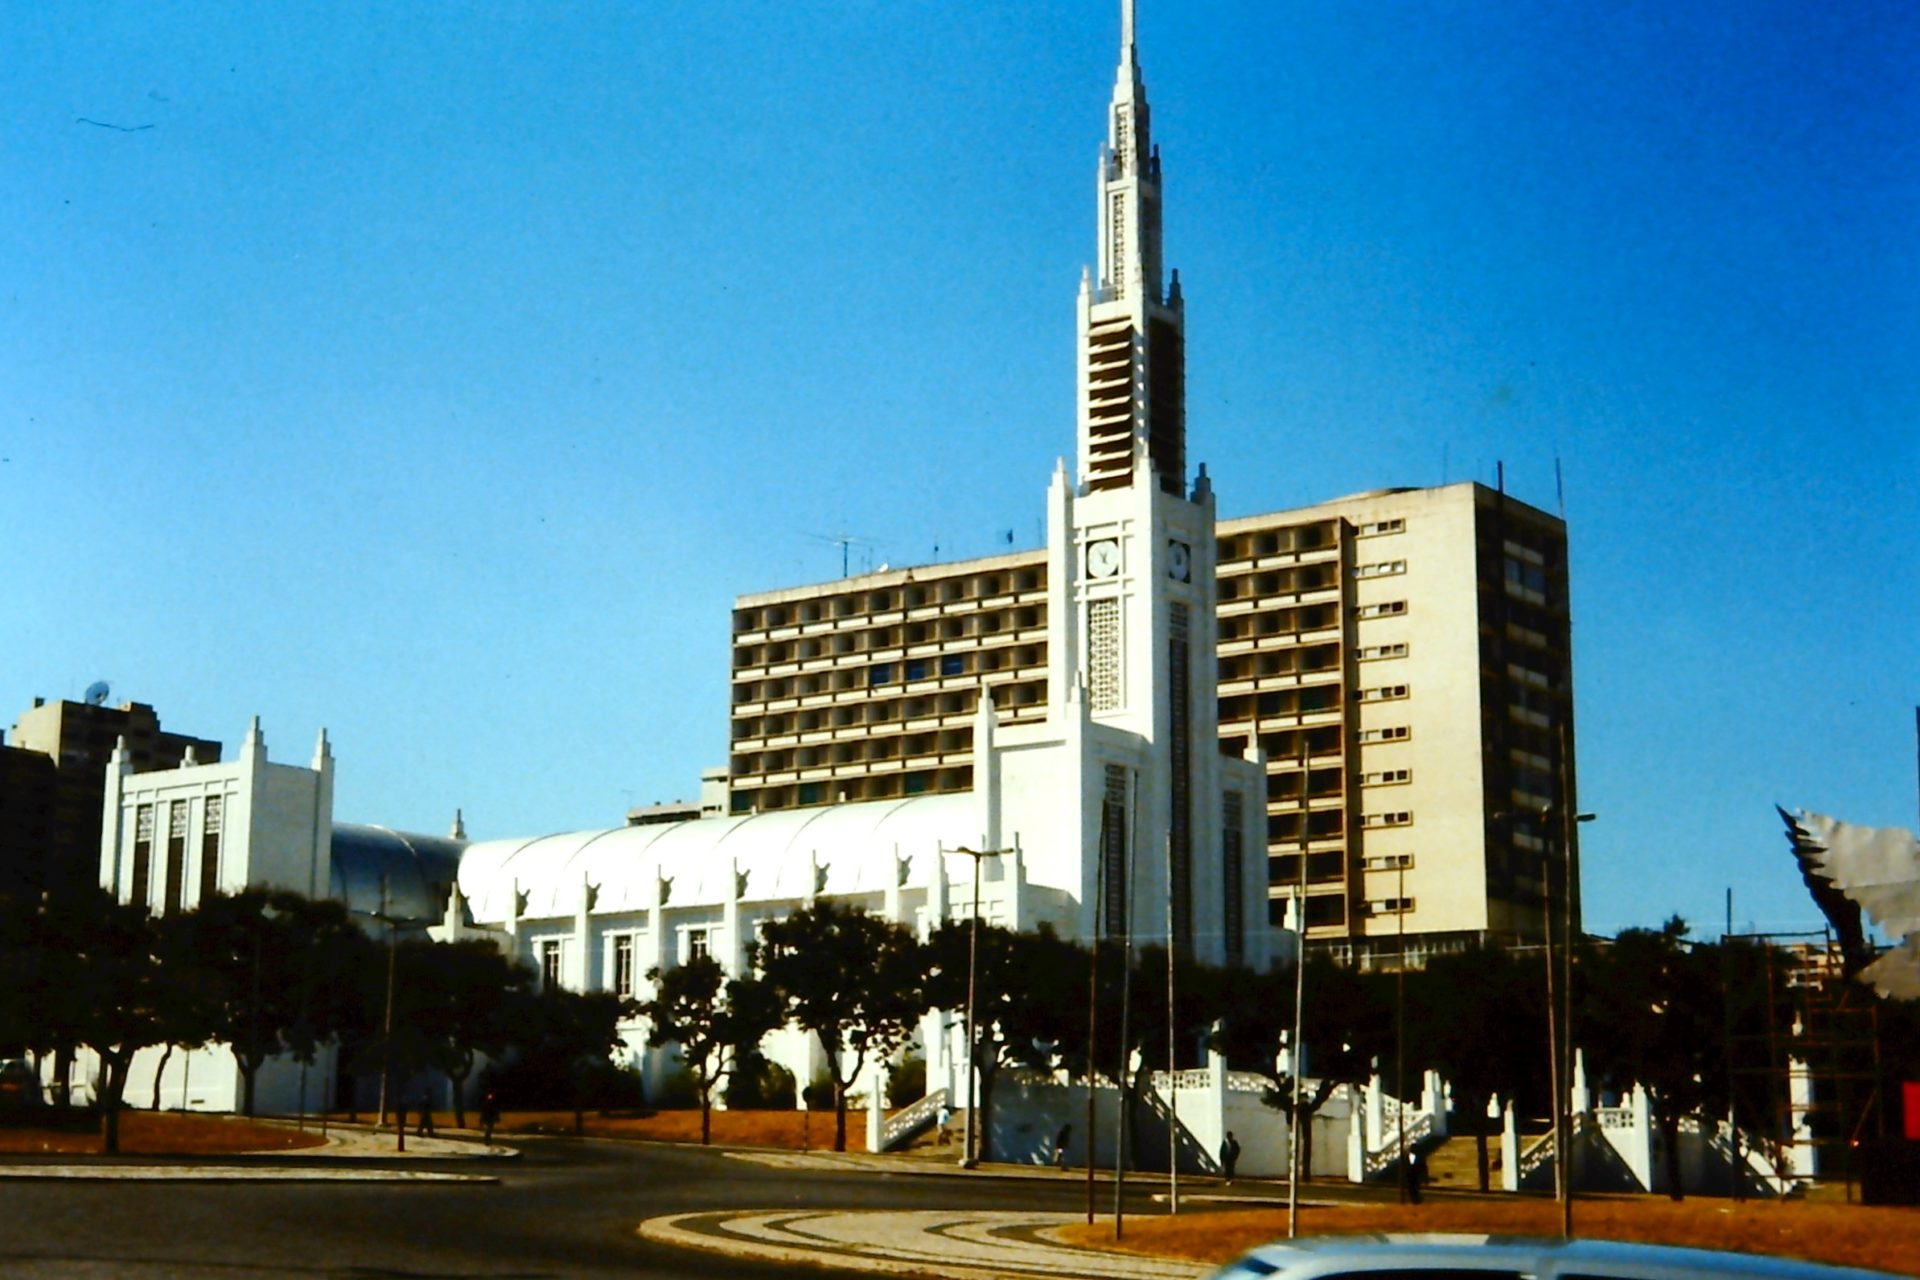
[{"x": 1132, "y": 362}]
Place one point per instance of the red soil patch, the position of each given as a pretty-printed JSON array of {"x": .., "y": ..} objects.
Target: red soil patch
[
  {"x": 1887, "y": 1239},
  {"x": 154, "y": 1133},
  {"x": 791, "y": 1130}
]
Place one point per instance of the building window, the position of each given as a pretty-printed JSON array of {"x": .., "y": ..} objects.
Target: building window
[
  {"x": 952, "y": 665},
  {"x": 917, "y": 669},
  {"x": 1113, "y": 851},
  {"x": 212, "y": 820},
  {"x": 1390, "y": 733},
  {"x": 176, "y": 855},
  {"x": 1380, "y": 569},
  {"x": 1383, "y": 693},
  {"x": 142, "y": 853},
  {"x": 698, "y": 945},
  {"x": 1385, "y": 609},
  {"x": 1388, "y": 861},
  {"x": 1373, "y": 653},
  {"x": 880, "y": 673},
  {"x": 1386, "y": 777},
  {"x": 1389, "y": 906},
  {"x": 1399, "y": 819},
  {"x": 1103, "y": 654},
  {"x": 1528, "y": 676},
  {"x": 1378, "y": 527},
  {"x": 623, "y": 965},
  {"x": 550, "y": 964},
  {"x": 1528, "y": 581}
]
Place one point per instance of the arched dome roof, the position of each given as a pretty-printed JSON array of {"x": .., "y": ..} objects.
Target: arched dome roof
[
  {"x": 419, "y": 871},
  {"x": 856, "y": 844}
]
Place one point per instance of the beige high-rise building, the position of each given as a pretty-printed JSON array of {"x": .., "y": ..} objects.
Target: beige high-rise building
[
  {"x": 79, "y": 739},
  {"x": 1402, "y": 657}
]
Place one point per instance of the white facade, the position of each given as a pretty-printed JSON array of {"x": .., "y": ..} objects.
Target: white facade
[
  {"x": 167, "y": 839},
  {"x": 169, "y": 836}
]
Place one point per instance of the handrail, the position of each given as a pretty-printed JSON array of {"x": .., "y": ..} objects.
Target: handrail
[
  {"x": 911, "y": 1119},
  {"x": 1384, "y": 1157}
]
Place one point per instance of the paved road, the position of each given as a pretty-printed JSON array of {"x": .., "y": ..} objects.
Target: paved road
[{"x": 564, "y": 1209}]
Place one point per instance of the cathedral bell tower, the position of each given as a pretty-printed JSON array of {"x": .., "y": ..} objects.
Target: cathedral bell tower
[{"x": 1133, "y": 552}]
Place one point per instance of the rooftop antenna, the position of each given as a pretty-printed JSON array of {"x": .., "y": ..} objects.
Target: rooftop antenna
[
  {"x": 844, "y": 541},
  {"x": 96, "y": 694},
  {"x": 1559, "y": 488}
]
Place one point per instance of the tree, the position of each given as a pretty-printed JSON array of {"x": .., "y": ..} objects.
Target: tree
[
  {"x": 269, "y": 959},
  {"x": 54, "y": 934},
  {"x": 852, "y": 979},
  {"x": 1027, "y": 988},
  {"x": 576, "y": 1032},
  {"x": 189, "y": 1014},
  {"x": 714, "y": 1021},
  {"x": 1200, "y": 999},
  {"x": 462, "y": 999},
  {"x": 1479, "y": 1018},
  {"x": 1346, "y": 1028},
  {"x": 1654, "y": 1017},
  {"x": 122, "y": 995}
]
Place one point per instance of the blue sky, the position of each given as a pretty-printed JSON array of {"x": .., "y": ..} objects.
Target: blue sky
[{"x": 438, "y": 374}]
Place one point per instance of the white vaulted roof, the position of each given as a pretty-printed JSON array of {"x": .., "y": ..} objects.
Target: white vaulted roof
[{"x": 857, "y": 845}]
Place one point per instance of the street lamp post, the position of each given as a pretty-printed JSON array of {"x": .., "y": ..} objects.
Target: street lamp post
[
  {"x": 967, "y": 1157},
  {"x": 1560, "y": 1012},
  {"x": 393, "y": 923}
]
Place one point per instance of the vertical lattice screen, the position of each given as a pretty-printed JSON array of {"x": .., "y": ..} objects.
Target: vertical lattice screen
[
  {"x": 1113, "y": 851},
  {"x": 1103, "y": 654},
  {"x": 142, "y": 851}
]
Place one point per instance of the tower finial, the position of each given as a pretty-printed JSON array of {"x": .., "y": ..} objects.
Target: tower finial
[{"x": 1126, "y": 26}]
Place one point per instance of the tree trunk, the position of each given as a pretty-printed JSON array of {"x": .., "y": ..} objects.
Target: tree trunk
[
  {"x": 458, "y": 1082},
  {"x": 246, "y": 1085},
  {"x": 159, "y": 1074},
  {"x": 706, "y": 1114},
  {"x": 114, "y": 1082},
  {"x": 1480, "y": 1153},
  {"x": 839, "y": 1113},
  {"x": 1670, "y": 1138}
]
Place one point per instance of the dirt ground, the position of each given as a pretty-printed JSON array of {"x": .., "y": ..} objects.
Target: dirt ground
[
  {"x": 1886, "y": 1239},
  {"x": 172, "y": 1133},
  {"x": 151, "y": 1133},
  {"x": 791, "y": 1130}
]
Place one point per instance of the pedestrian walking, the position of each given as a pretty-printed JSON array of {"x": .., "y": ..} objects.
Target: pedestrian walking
[
  {"x": 489, "y": 1113},
  {"x": 1061, "y": 1140},
  {"x": 426, "y": 1117},
  {"x": 1416, "y": 1175},
  {"x": 946, "y": 1118},
  {"x": 1229, "y": 1155}
]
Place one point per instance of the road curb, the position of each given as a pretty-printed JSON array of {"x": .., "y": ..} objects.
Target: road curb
[
  {"x": 225, "y": 1173},
  {"x": 892, "y": 1243}
]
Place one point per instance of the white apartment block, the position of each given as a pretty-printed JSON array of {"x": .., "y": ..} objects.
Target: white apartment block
[{"x": 1401, "y": 658}]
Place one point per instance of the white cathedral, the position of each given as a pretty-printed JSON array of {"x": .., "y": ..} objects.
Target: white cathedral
[{"x": 1117, "y": 814}]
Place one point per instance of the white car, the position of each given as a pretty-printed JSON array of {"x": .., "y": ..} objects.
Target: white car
[{"x": 1469, "y": 1257}]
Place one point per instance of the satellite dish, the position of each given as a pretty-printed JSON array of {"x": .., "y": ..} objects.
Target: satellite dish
[{"x": 97, "y": 694}]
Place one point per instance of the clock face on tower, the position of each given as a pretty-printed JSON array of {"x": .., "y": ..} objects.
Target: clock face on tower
[
  {"x": 1179, "y": 561},
  {"x": 1103, "y": 558}
]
